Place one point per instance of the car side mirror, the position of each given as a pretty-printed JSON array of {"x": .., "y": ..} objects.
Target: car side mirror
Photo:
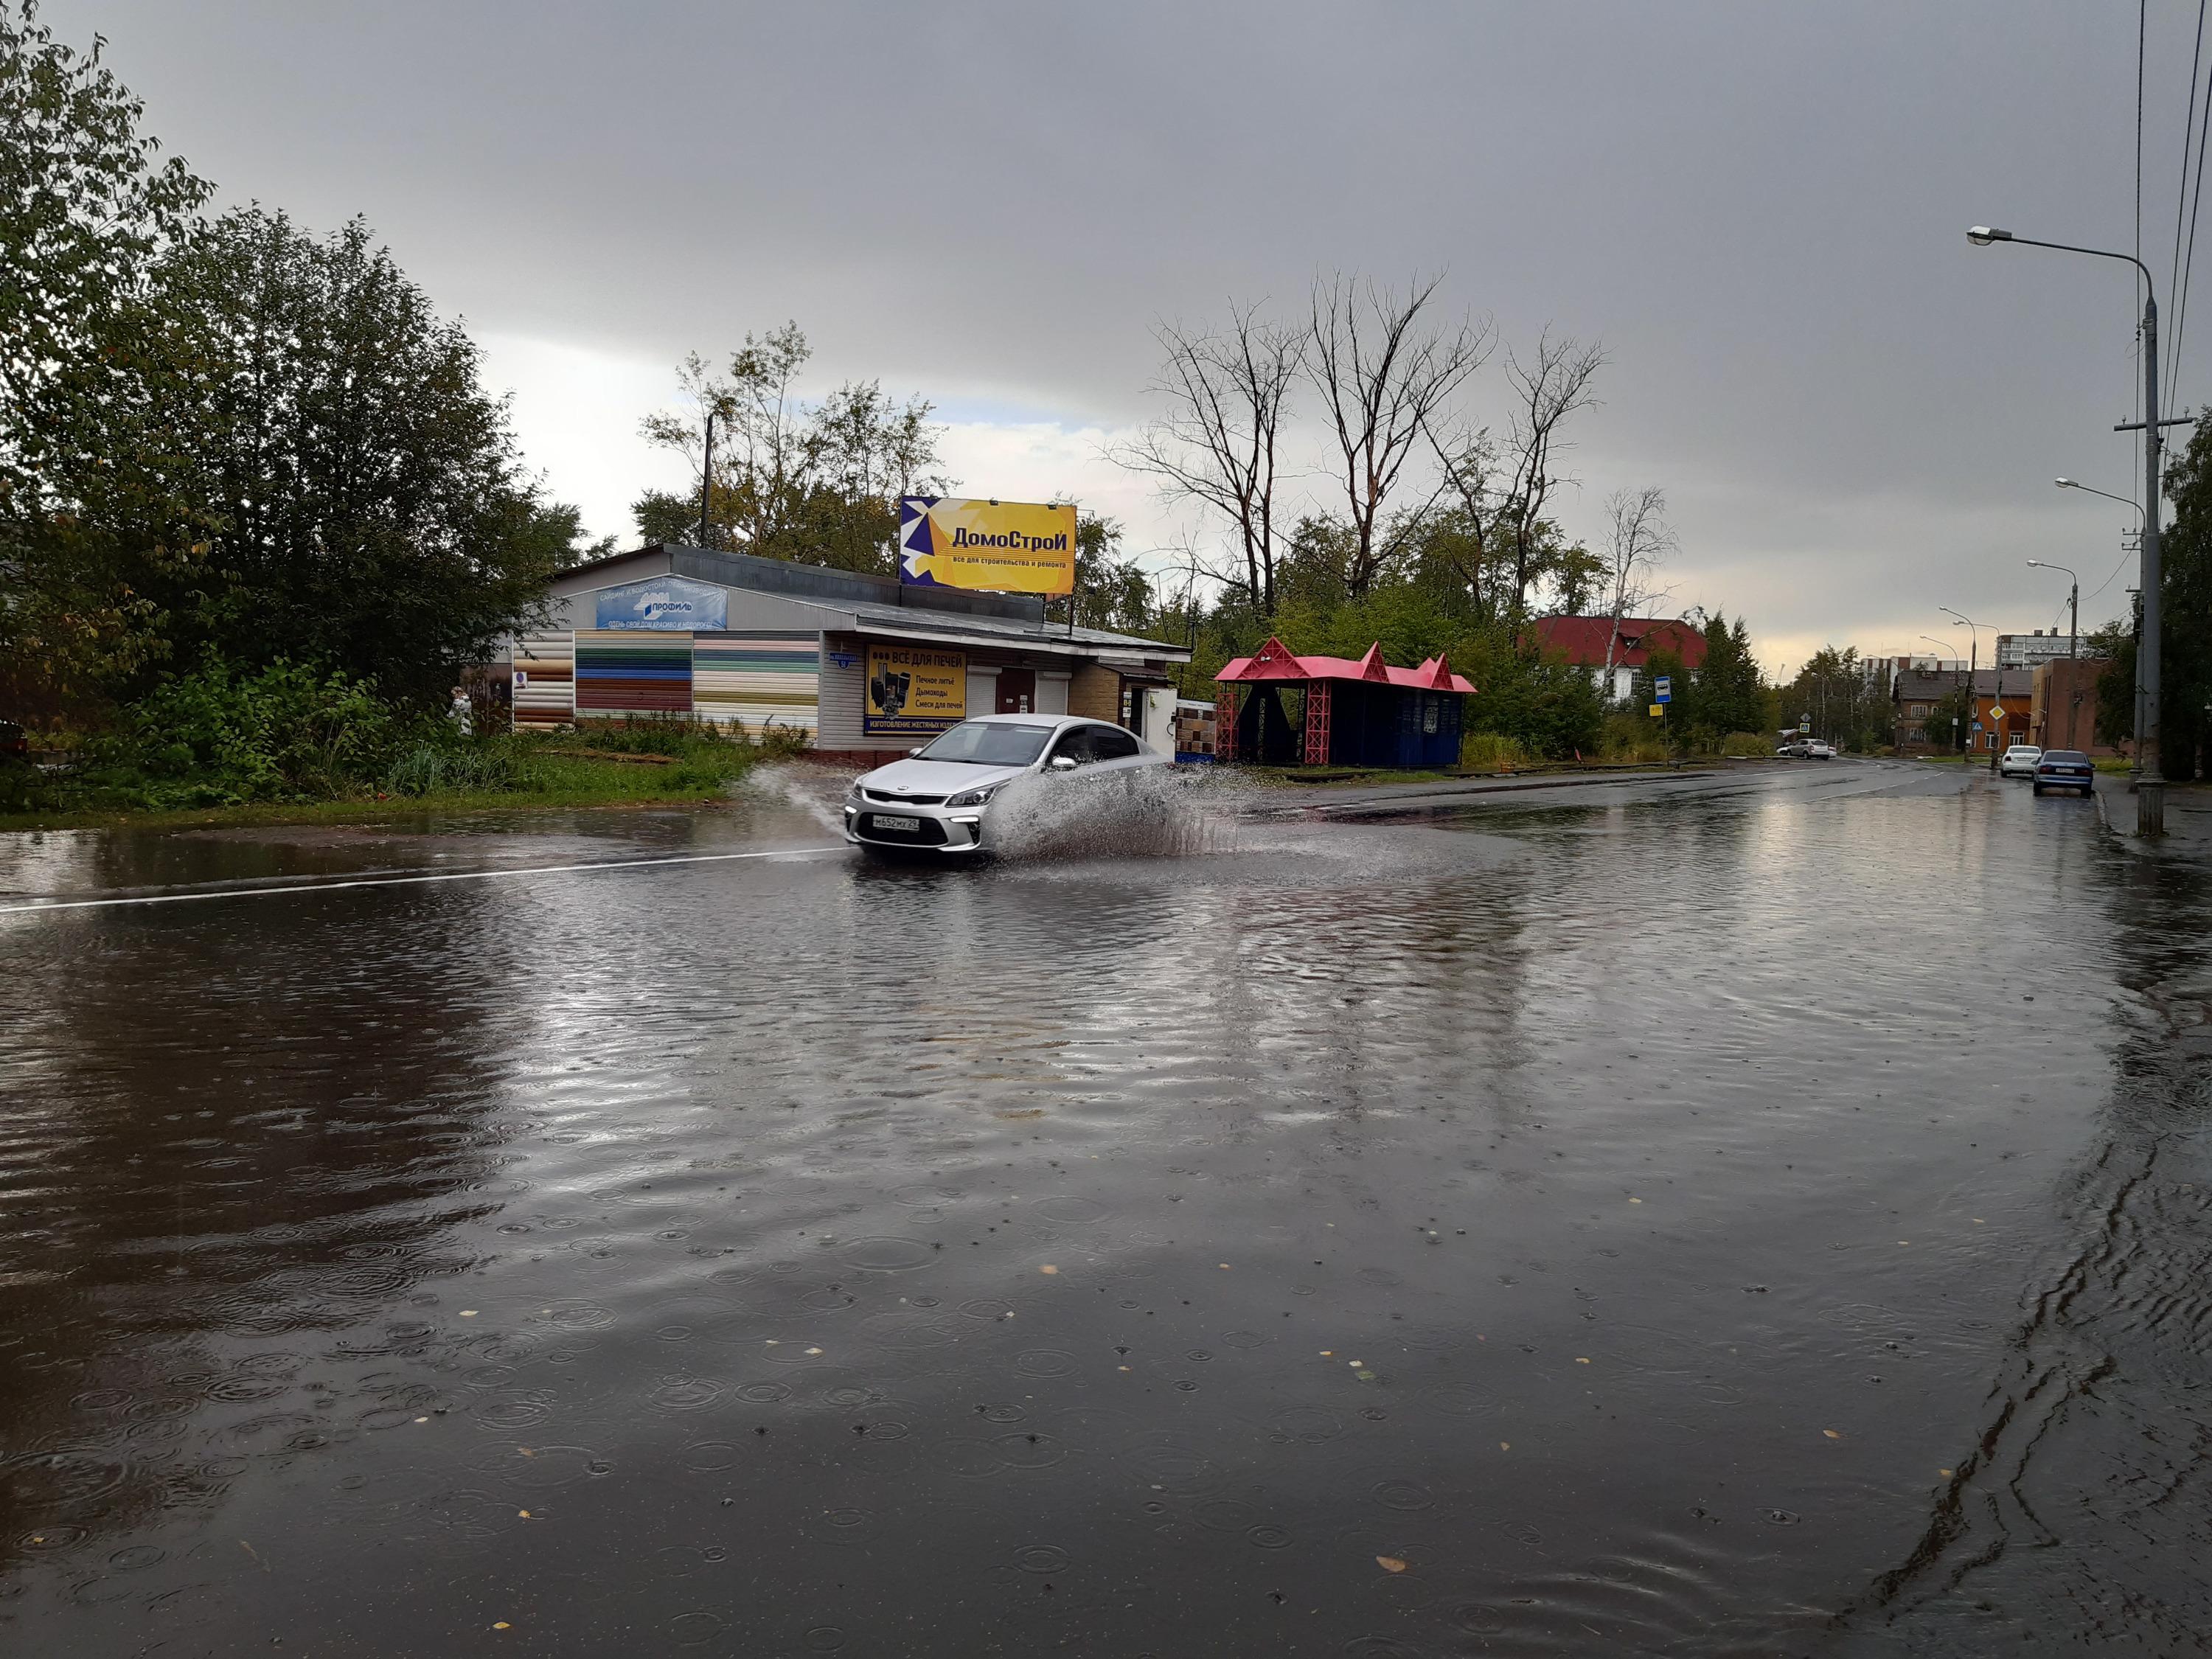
[
  {"x": 1063, "y": 762},
  {"x": 914, "y": 751}
]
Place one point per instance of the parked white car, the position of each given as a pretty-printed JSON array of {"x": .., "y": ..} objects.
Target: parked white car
[
  {"x": 938, "y": 798},
  {"x": 1818, "y": 751},
  {"x": 2019, "y": 761}
]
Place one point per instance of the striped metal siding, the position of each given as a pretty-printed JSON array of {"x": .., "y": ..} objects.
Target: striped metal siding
[
  {"x": 621, "y": 672},
  {"x": 546, "y": 698},
  {"x": 843, "y": 698},
  {"x": 759, "y": 677}
]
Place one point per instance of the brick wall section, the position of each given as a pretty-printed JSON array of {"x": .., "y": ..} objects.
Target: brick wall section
[{"x": 1095, "y": 693}]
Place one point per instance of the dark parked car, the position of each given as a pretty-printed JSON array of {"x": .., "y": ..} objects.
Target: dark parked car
[
  {"x": 14, "y": 745},
  {"x": 2065, "y": 768}
]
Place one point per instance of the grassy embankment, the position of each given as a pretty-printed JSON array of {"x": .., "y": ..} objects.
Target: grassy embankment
[{"x": 605, "y": 768}]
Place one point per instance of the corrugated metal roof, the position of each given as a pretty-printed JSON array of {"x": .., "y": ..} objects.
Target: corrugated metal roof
[
  {"x": 857, "y": 601},
  {"x": 910, "y": 624}
]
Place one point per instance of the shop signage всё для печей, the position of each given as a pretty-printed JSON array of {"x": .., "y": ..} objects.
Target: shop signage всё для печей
[{"x": 913, "y": 691}]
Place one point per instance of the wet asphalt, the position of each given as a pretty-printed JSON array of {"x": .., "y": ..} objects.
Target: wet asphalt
[{"x": 1761, "y": 1213}]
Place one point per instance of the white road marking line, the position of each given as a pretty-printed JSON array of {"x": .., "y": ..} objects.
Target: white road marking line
[{"x": 407, "y": 881}]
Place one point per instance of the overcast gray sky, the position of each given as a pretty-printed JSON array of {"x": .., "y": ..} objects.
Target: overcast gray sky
[{"x": 1760, "y": 207}]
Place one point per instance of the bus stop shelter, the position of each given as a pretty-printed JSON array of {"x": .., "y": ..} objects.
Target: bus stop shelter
[{"x": 1362, "y": 713}]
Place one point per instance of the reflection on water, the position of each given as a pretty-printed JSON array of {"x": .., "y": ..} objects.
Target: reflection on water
[{"x": 1661, "y": 1227}]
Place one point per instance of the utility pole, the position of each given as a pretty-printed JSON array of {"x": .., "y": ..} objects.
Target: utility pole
[
  {"x": 707, "y": 482},
  {"x": 2150, "y": 780}
]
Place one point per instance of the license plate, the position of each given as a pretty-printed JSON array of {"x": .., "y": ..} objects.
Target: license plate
[{"x": 884, "y": 823}]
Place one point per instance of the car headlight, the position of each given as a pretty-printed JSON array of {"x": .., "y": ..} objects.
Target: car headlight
[{"x": 975, "y": 797}]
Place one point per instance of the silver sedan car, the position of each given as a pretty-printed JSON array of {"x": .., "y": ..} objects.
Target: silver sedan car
[{"x": 938, "y": 799}]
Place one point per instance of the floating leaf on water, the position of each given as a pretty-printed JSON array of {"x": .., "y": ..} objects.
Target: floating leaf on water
[
  {"x": 1580, "y": 1361},
  {"x": 1047, "y": 1269},
  {"x": 524, "y": 1514},
  {"x": 1946, "y": 1473},
  {"x": 1831, "y": 1434},
  {"x": 814, "y": 1351},
  {"x": 1389, "y": 1564},
  {"x": 1505, "y": 1445},
  {"x": 468, "y": 1313},
  {"x": 502, "y": 1623},
  {"x": 1635, "y": 1200}
]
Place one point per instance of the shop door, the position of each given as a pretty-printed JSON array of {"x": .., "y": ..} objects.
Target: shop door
[{"x": 1016, "y": 691}]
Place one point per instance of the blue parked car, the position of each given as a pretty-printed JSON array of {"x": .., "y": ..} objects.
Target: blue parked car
[{"x": 2065, "y": 768}]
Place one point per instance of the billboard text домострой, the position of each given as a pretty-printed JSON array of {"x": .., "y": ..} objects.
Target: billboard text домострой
[{"x": 1004, "y": 547}]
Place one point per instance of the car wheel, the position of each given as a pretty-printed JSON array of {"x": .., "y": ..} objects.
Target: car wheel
[{"x": 2039, "y": 791}]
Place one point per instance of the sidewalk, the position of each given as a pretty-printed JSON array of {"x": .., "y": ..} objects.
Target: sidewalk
[{"x": 2187, "y": 812}]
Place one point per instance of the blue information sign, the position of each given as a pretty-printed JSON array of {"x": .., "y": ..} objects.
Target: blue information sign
[{"x": 1663, "y": 689}]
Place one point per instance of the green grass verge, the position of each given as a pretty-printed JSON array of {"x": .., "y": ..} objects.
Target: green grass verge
[{"x": 555, "y": 781}]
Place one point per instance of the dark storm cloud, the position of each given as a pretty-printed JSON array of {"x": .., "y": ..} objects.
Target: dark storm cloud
[{"x": 1759, "y": 208}]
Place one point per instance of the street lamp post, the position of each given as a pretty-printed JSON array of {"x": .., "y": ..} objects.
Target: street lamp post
[
  {"x": 1974, "y": 660},
  {"x": 2149, "y": 781},
  {"x": 1940, "y": 649},
  {"x": 2073, "y": 606}
]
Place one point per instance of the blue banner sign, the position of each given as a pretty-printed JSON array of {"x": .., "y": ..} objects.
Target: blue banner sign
[{"x": 665, "y": 602}]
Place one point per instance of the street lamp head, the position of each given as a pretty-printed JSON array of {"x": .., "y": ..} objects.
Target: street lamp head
[
  {"x": 1982, "y": 235},
  {"x": 2066, "y": 483},
  {"x": 2039, "y": 564}
]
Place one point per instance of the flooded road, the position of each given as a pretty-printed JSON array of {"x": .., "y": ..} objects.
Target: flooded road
[{"x": 1744, "y": 1216}]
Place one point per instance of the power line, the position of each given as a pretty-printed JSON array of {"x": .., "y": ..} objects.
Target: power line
[
  {"x": 2189, "y": 259},
  {"x": 2181, "y": 197}
]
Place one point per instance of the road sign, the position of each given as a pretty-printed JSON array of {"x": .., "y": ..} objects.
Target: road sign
[
  {"x": 1804, "y": 725},
  {"x": 1658, "y": 711},
  {"x": 1663, "y": 689},
  {"x": 1996, "y": 715}
]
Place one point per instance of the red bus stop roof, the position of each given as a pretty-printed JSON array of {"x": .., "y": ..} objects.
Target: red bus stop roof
[{"x": 1272, "y": 661}]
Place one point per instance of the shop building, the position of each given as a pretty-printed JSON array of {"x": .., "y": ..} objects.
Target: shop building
[{"x": 867, "y": 666}]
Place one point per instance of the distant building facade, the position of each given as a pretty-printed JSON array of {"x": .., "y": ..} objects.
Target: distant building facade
[
  {"x": 1582, "y": 642},
  {"x": 1914, "y": 694},
  {"x": 2062, "y": 710},
  {"x": 2033, "y": 650}
]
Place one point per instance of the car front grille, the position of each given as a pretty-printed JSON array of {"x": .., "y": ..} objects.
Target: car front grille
[
  {"x": 932, "y": 833},
  {"x": 890, "y": 799}
]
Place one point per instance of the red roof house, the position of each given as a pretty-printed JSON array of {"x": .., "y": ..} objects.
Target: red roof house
[{"x": 1582, "y": 640}]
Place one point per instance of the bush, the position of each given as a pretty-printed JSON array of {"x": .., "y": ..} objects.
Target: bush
[
  {"x": 1633, "y": 737},
  {"x": 221, "y": 735},
  {"x": 1493, "y": 752},
  {"x": 1747, "y": 745},
  {"x": 430, "y": 768},
  {"x": 659, "y": 734}
]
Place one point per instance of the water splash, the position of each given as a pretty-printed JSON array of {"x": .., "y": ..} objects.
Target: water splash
[
  {"x": 817, "y": 790},
  {"x": 1153, "y": 812}
]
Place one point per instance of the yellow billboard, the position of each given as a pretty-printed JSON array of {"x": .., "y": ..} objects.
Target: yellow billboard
[
  {"x": 1004, "y": 547},
  {"x": 913, "y": 691}
]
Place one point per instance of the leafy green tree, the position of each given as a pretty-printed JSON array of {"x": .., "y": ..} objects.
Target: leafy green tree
[
  {"x": 369, "y": 510},
  {"x": 1111, "y": 591},
  {"x": 816, "y": 483},
  {"x": 88, "y": 212},
  {"x": 2185, "y": 638}
]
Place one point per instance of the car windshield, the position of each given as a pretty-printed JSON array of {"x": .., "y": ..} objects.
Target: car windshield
[
  {"x": 2071, "y": 755},
  {"x": 989, "y": 742}
]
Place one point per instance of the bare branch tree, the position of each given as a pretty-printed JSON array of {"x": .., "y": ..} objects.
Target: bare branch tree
[
  {"x": 1226, "y": 393},
  {"x": 1383, "y": 374},
  {"x": 1639, "y": 538},
  {"x": 1555, "y": 384}
]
